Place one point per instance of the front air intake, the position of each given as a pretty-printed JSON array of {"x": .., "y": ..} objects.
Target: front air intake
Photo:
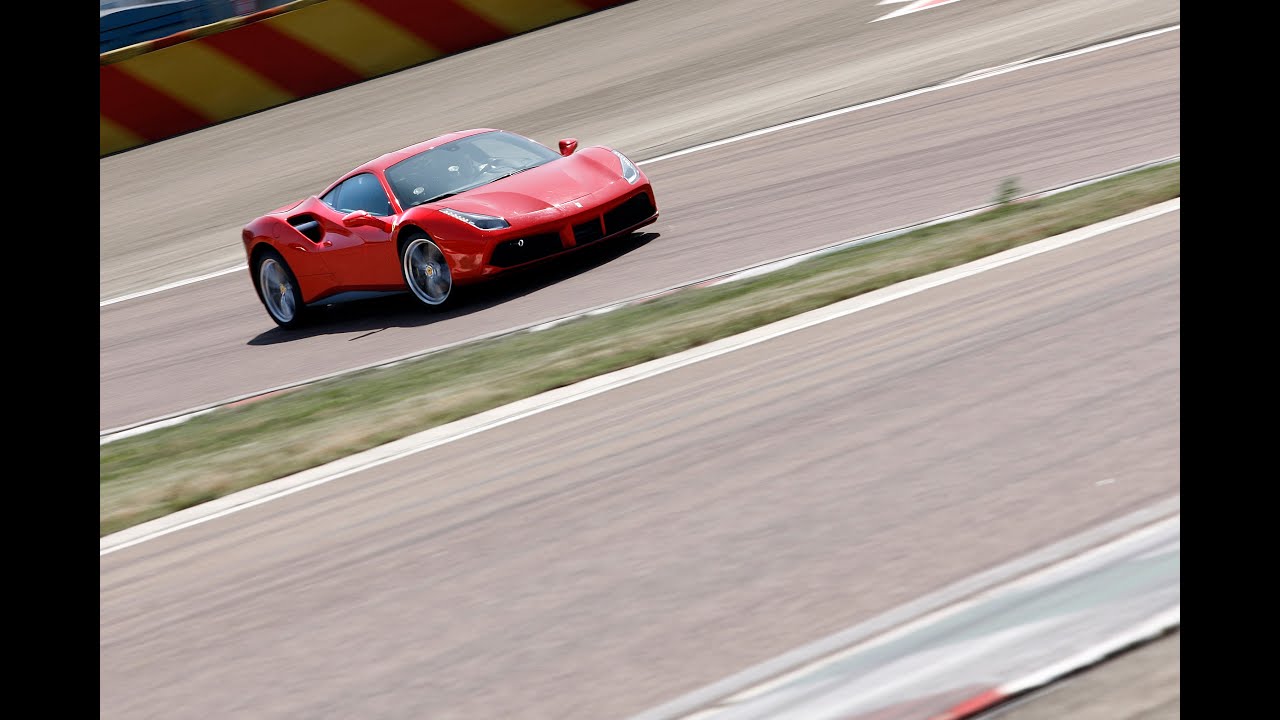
[
  {"x": 527, "y": 249},
  {"x": 586, "y": 232},
  {"x": 634, "y": 211}
]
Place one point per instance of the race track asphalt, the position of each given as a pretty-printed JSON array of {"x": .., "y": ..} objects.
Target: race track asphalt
[
  {"x": 605, "y": 556},
  {"x": 649, "y": 77},
  {"x": 721, "y": 208}
]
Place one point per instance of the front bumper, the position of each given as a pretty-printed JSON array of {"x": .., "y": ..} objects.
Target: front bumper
[
  {"x": 568, "y": 226},
  {"x": 577, "y": 229}
]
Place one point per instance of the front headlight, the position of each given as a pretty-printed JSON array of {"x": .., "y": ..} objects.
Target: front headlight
[
  {"x": 484, "y": 222},
  {"x": 630, "y": 172}
]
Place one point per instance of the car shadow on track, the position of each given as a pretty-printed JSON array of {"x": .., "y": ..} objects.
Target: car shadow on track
[{"x": 402, "y": 311}]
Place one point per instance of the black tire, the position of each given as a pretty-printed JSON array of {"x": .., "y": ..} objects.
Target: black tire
[
  {"x": 279, "y": 291},
  {"x": 426, "y": 270}
]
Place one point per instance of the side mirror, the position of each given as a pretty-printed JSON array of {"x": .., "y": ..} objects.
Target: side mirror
[
  {"x": 362, "y": 218},
  {"x": 568, "y": 145}
]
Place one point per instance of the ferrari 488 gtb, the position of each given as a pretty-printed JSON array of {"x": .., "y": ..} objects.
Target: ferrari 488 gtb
[{"x": 449, "y": 211}]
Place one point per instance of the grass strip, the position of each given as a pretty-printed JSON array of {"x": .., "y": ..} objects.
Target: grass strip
[{"x": 166, "y": 470}]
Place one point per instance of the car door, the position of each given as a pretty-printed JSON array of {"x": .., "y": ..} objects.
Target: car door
[{"x": 356, "y": 254}]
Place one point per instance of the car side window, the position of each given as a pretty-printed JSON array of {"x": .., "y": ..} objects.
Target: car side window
[
  {"x": 362, "y": 192},
  {"x": 331, "y": 198}
]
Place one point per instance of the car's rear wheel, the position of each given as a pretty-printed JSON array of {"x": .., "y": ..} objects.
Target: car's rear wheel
[
  {"x": 426, "y": 271},
  {"x": 279, "y": 291}
]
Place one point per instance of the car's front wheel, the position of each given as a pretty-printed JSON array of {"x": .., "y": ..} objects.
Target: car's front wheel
[
  {"x": 279, "y": 291},
  {"x": 426, "y": 271}
]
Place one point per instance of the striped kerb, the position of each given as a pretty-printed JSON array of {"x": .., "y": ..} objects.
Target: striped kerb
[
  {"x": 113, "y": 137},
  {"x": 296, "y": 67},
  {"x": 141, "y": 109},
  {"x": 517, "y": 16},
  {"x": 356, "y": 36},
  {"x": 446, "y": 25},
  {"x": 201, "y": 77},
  {"x": 253, "y": 66}
]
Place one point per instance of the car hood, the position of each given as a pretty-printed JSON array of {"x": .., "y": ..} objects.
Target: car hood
[{"x": 546, "y": 186}]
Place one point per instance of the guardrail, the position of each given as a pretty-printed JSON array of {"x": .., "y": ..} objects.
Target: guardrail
[{"x": 198, "y": 77}]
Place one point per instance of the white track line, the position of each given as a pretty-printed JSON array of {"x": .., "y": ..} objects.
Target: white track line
[
  {"x": 175, "y": 418},
  {"x": 1043, "y": 576},
  {"x": 914, "y": 7},
  {"x": 1147, "y": 630},
  {"x": 175, "y": 284},
  {"x": 145, "y": 428},
  {"x": 1097, "y": 541},
  {"x": 962, "y": 80},
  {"x": 497, "y": 417}
]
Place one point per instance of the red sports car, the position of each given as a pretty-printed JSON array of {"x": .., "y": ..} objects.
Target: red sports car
[{"x": 452, "y": 210}]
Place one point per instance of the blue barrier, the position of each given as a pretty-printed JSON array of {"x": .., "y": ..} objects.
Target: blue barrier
[{"x": 125, "y": 26}]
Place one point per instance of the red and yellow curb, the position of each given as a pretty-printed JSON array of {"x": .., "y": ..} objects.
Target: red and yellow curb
[{"x": 195, "y": 78}]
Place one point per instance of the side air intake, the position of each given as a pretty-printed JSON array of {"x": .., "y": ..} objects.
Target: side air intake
[{"x": 308, "y": 226}]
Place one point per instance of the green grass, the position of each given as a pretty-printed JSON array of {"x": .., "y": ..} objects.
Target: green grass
[{"x": 157, "y": 473}]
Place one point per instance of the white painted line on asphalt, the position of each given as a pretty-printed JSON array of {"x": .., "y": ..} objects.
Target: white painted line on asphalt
[
  {"x": 175, "y": 418},
  {"x": 175, "y": 284},
  {"x": 993, "y": 68},
  {"x": 1154, "y": 627},
  {"x": 1096, "y": 543},
  {"x": 143, "y": 429},
  {"x": 914, "y": 7},
  {"x": 942, "y": 662},
  {"x": 962, "y": 80},
  {"x": 496, "y": 417},
  {"x": 1173, "y": 546},
  {"x": 1093, "y": 557}
]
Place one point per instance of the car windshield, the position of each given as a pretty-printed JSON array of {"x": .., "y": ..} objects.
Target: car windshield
[{"x": 461, "y": 165}]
